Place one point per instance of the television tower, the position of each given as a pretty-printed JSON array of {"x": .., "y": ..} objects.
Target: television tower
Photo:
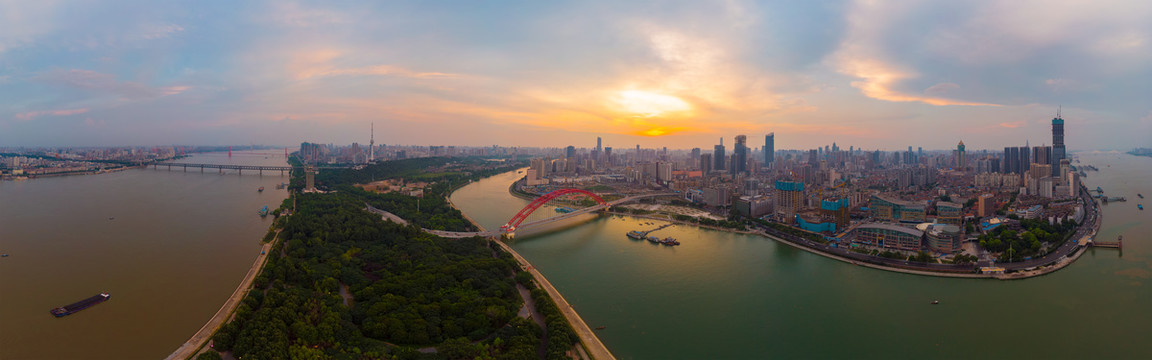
[{"x": 372, "y": 144}]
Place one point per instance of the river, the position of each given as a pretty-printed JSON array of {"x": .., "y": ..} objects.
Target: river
[
  {"x": 169, "y": 246},
  {"x": 730, "y": 296}
]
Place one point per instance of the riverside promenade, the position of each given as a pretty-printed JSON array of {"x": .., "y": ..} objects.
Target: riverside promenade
[
  {"x": 196, "y": 342},
  {"x": 595, "y": 348}
]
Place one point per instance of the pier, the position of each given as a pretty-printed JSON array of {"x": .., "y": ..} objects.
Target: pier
[
  {"x": 1118, "y": 244},
  {"x": 645, "y": 233}
]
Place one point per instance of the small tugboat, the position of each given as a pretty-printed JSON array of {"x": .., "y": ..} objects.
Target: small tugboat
[{"x": 261, "y": 189}]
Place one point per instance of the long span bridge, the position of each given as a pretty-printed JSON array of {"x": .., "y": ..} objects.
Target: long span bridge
[
  {"x": 517, "y": 221},
  {"x": 239, "y": 168}
]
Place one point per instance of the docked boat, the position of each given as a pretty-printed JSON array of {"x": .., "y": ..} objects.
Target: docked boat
[
  {"x": 669, "y": 241},
  {"x": 653, "y": 239},
  {"x": 263, "y": 211},
  {"x": 635, "y": 235},
  {"x": 80, "y": 305}
]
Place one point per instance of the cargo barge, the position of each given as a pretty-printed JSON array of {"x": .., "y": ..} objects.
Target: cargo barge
[{"x": 80, "y": 305}]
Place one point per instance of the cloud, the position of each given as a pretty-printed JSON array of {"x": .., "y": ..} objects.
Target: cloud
[
  {"x": 1014, "y": 124},
  {"x": 941, "y": 88},
  {"x": 93, "y": 123},
  {"x": 159, "y": 31},
  {"x": 879, "y": 80},
  {"x": 377, "y": 70},
  {"x": 26, "y": 116},
  {"x": 107, "y": 83}
]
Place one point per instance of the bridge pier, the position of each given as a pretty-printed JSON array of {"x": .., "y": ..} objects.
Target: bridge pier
[
  {"x": 239, "y": 171},
  {"x": 185, "y": 168},
  {"x": 201, "y": 169}
]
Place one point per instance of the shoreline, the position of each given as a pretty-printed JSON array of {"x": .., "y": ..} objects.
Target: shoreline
[
  {"x": 588, "y": 339},
  {"x": 196, "y": 343},
  {"x": 1040, "y": 270}
]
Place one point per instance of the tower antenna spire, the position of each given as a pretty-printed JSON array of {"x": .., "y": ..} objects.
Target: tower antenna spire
[{"x": 1058, "y": 108}]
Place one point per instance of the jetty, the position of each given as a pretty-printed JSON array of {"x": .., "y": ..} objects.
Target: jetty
[
  {"x": 1118, "y": 244},
  {"x": 661, "y": 227}
]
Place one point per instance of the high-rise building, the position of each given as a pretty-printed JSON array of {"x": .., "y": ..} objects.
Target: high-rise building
[
  {"x": 789, "y": 197},
  {"x": 1057, "y": 144},
  {"x": 599, "y": 144},
  {"x": 694, "y": 159},
  {"x": 718, "y": 156},
  {"x": 570, "y": 152},
  {"x": 1024, "y": 162},
  {"x": 769, "y": 149},
  {"x": 741, "y": 155},
  {"x": 372, "y": 144},
  {"x": 706, "y": 163},
  {"x": 607, "y": 156},
  {"x": 961, "y": 157},
  {"x": 985, "y": 204}
]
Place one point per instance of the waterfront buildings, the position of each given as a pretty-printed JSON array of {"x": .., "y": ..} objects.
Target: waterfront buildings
[
  {"x": 888, "y": 236},
  {"x": 892, "y": 209},
  {"x": 945, "y": 238},
  {"x": 949, "y": 213},
  {"x": 789, "y": 197}
]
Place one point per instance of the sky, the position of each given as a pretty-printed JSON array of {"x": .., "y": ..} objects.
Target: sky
[{"x": 680, "y": 74}]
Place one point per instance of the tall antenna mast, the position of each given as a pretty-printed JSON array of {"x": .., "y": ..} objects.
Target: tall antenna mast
[{"x": 372, "y": 144}]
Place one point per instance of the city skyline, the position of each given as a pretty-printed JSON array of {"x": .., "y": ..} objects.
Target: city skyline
[{"x": 990, "y": 74}]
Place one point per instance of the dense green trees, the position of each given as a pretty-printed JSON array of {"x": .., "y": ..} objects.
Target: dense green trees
[
  {"x": 1029, "y": 241},
  {"x": 410, "y": 289}
]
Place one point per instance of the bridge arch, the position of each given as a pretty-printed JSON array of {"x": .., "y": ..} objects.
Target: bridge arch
[{"x": 543, "y": 199}]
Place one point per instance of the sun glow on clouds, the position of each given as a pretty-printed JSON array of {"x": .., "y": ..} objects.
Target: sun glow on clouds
[{"x": 649, "y": 104}]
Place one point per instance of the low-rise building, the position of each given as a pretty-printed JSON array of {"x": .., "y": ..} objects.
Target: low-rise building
[{"x": 888, "y": 236}]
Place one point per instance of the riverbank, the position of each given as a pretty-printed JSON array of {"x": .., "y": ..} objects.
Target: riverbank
[
  {"x": 194, "y": 344},
  {"x": 910, "y": 268},
  {"x": 590, "y": 342}
]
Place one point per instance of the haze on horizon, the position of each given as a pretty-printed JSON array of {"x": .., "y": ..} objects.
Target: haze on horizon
[{"x": 679, "y": 74}]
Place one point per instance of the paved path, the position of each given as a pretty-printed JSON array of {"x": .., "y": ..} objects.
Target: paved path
[
  {"x": 190, "y": 347},
  {"x": 595, "y": 347}
]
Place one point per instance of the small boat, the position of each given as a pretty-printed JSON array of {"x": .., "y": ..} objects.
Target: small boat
[
  {"x": 935, "y": 302},
  {"x": 1140, "y": 195},
  {"x": 263, "y": 211},
  {"x": 3, "y": 255},
  {"x": 635, "y": 235},
  {"x": 261, "y": 189},
  {"x": 111, "y": 218},
  {"x": 1140, "y": 206},
  {"x": 600, "y": 327}
]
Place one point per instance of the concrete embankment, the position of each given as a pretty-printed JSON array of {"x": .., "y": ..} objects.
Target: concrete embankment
[{"x": 197, "y": 341}]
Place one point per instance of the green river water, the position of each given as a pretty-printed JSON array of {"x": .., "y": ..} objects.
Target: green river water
[{"x": 729, "y": 296}]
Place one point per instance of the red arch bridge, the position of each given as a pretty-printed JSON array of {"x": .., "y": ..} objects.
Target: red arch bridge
[
  {"x": 544, "y": 199},
  {"x": 517, "y": 221}
]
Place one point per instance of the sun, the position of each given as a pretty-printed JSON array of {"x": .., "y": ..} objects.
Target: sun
[{"x": 649, "y": 104}]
